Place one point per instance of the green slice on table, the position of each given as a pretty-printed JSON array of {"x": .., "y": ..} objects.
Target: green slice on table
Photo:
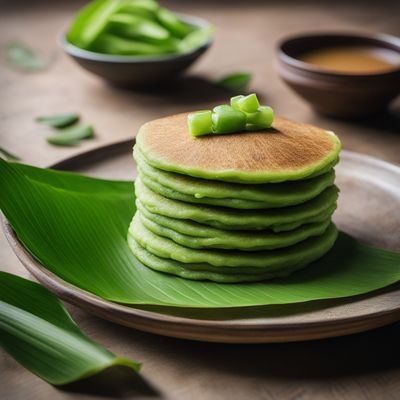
[
  {"x": 71, "y": 136},
  {"x": 23, "y": 58},
  {"x": 59, "y": 120},
  {"x": 38, "y": 332},
  {"x": 89, "y": 248}
]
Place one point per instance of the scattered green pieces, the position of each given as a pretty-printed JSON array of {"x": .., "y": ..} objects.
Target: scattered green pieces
[
  {"x": 244, "y": 114},
  {"x": 24, "y": 58},
  {"x": 59, "y": 120},
  {"x": 225, "y": 119},
  {"x": 71, "y": 136},
  {"x": 38, "y": 332},
  {"x": 134, "y": 27},
  {"x": 236, "y": 82},
  {"x": 200, "y": 123},
  {"x": 6, "y": 155},
  {"x": 68, "y": 133}
]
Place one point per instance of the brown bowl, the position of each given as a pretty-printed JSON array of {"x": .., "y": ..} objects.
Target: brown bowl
[{"x": 338, "y": 94}]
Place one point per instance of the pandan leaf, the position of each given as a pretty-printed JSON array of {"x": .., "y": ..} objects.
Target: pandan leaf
[
  {"x": 24, "y": 58},
  {"x": 71, "y": 136},
  {"x": 237, "y": 82},
  {"x": 38, "y": 332},
  {"x": 77, "y": 227},
  {"x": 59, "y": 120}
]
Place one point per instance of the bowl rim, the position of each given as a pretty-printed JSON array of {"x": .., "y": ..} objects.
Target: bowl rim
[
  {"x": 76, "y": 51},
  {"x": 382, "y": 40}
]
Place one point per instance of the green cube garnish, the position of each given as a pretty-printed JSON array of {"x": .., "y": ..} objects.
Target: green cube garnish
[
  {"x": 248, "y": 104},
  {"x": 235, "y": 102},
  {"x": 225, "y": 119},
  {"x": 262, "y": 118},
  {"x": 200, "y": 123}
]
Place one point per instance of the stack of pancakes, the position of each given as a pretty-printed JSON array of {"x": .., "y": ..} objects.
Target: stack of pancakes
[{"x": 233, "y": 208}]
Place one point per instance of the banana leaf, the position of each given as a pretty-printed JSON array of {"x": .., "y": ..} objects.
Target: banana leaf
[
  {"x": 77, "y": 227},
  {"x": 38, "y": 332}
]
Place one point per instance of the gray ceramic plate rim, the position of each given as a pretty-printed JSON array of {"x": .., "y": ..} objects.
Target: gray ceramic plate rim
[
  {"x": 75, "y": 51},
  {"x": 306, "y": 67}
]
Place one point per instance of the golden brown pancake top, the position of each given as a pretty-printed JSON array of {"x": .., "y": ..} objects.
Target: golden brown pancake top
[{"x": 287, "y": 146}]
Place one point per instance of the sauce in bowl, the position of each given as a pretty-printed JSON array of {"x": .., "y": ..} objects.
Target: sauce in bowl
[{"x": 352, "y": 59}]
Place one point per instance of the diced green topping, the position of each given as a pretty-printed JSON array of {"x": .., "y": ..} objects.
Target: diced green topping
[
  {"x": 249, "y": 104},
  {"x": 200, "y": 123},
  {"x": 235, "y": 101},
  {"x": 232, "y": 118},
  {"x": 225, "y": 119},
  {"x": 263, "y": 117}
]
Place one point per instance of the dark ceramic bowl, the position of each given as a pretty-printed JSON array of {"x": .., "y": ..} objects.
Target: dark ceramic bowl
[
  {"x": 134, "y": 71},
  {"x": 348, "y": 95}
]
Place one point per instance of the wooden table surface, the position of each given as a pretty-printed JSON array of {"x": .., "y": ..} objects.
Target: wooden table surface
[{"x": 364, "y": 366}]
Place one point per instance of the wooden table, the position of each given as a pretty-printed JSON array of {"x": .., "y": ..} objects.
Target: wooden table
[{"x": 364, "y": 366}]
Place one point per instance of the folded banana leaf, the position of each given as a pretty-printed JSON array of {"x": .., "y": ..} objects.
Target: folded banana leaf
[
  {"x": 38, "y": 332},
  {"x": 77, "y": 227}
]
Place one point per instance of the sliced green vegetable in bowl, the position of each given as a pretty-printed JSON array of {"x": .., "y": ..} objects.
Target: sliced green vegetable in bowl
[
  {"x": 38, "y": 332},
  {"x": 134, "y": 27},
  {"x": 76, "y": 227}
]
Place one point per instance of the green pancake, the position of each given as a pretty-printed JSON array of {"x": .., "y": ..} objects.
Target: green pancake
[
  {"x": 277, "y": 263},
  {"x": 166, "y": 248},
  {"x": 197, "y": 236},
  {"x": 286, "y": 152},
  {"x": 203, "y": 191},
  {"x": 316, "y": 210}
]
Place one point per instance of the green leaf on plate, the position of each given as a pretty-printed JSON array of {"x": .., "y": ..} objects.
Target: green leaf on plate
[
  {"x": 24, "y": 58},
  {"x": 59, "y": 120},
  {"x": 236, "y": 82},
  {"x": 77, "y": 226},
  {"x": 7, "y": 155},
  {"x": 71, "y": 136},
  {"x": 38, "y": 332}
]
